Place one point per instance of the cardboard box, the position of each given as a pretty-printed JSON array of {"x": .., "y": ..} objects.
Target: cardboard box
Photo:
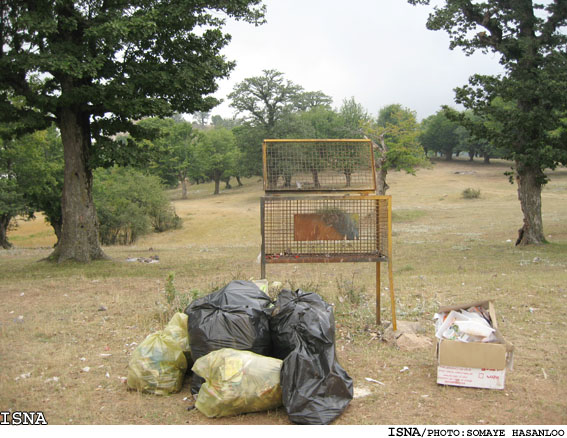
[{"x": 474, "y": 364}]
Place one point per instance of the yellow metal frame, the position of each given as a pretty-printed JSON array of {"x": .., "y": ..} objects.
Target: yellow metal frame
[
  {"x": 316, "y": 140},
  {"x": 364, "y": 194}
]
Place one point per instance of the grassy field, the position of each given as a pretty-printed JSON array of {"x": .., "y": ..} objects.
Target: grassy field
[{"x": 447, "y": 250}]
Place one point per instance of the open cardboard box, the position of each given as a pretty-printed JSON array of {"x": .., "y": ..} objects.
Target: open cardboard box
[{"x": 474, "y": 364}]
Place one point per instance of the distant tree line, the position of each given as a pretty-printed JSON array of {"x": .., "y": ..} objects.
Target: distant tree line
[{"x": 174, "y": 152}]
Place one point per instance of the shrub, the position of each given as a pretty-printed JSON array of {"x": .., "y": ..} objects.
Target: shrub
[
  {"x": 471, "y": 193},
  {"x": 130, "y": 204}
]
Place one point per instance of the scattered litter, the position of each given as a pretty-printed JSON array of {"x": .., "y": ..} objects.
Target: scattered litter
[
  {"x": 404, "y": 369},
  {"x": 151, "y": 259},
  {"x": 83, "y": 359},
  {"x": 105, "y": 354},
  {"x": 107, "y": 375},
  {"x": 22, "y": 294},
  {"x": 544, "y": 373},
  {"x": 19, "y": 319},
  {"x": 509, "y": 241},
  {"x": 361, "y": 392},
  {"x": 52, "y": 379},
  {"x": 86, "y": 369},
  {"x": 536, "y": 260},
  {"x": 102, "y": 308},
  {"x": 11, "y": 312},
  {"x": 23, "y": 376},
  {"x": 368, "y": 379},
  {"x": 425, "y": 395},
  {"x": 471, "y": 325},
  {"x": 123, "y": 379}
]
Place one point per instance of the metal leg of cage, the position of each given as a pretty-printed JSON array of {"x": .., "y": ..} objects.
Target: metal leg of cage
[
  {"x": 378, "y": 321},
  {"x": 390, "y": 269}
]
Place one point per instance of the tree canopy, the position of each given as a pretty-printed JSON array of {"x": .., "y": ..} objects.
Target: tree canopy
[
  {"x": 93, "y": 68},
  {"x": 527, "y": 105},
  {"x": 395, "y": 135}
]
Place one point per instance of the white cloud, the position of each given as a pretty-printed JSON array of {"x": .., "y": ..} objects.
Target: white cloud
[{"x": 378, "y": 51}]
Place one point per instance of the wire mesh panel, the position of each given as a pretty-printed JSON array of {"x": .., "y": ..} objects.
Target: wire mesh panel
[
  {"x": 318, "y": 165},
  {"x": 325, "y": 229}
]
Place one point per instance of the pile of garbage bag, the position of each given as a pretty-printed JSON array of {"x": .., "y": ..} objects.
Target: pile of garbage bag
[
  {"x": 250, "y": 354},
  {"x": 236, "y": 316}
]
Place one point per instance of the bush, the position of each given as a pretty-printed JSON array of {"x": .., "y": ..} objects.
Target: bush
[
  {"x": 130, "y": 204},
  {"x": 471, "y": 193}
]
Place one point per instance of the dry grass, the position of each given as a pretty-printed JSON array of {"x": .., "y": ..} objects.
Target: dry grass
[{"x": 446, "y": 250}]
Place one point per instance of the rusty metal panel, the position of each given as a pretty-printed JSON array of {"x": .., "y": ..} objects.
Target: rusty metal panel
[{"x": 321, "y": 229}]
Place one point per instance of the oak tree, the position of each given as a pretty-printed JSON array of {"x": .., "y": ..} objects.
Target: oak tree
[
  {"x": 94, "y": 67},
  {"x": 527, "y": 104}
]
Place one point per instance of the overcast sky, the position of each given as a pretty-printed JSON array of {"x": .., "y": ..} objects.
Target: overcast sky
[{"x": 377, "y": 51}]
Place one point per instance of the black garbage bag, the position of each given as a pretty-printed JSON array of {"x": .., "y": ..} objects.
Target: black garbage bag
[
  {"x": 315, "y": 388},
  {"x": 286, "y": 316},
  {"x": 236, "y": 316}
]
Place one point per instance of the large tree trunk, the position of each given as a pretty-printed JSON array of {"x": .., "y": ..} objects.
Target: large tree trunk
[
  {"x": 217, "y": 179},
  {"x": 79, "y": 235},
  {"x": 530, "y": 181},
  {"x": 4, "y": 222}
]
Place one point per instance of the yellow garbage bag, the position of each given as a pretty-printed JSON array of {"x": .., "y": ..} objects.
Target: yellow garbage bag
[
  {"x": 157, "y": 366},
  {"x": 177, "y": 329},
  {"x": 237, "y": 382}
]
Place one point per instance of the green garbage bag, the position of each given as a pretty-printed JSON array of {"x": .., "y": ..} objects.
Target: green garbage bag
[
  {"x": 157, "y": 366},
  {"x": 236, "y": 382},
  {"x": 177, "y": 329}
]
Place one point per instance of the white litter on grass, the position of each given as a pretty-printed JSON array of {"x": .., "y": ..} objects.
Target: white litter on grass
[
  {"x": 86, "y": 369},
  {"x": 105, "y": 354},
  {"x": 52, "y": 379},
  {"x": 107, "y": 375},
  {"x": 404, "y": 369},
  {"x": 22, "y": 294},
  {"x": 368, "y": 379},
  {"x": 361, "y": 392},
  {"x": 23, "y": 376}
]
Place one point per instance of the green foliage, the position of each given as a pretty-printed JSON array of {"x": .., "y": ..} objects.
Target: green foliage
[
  {"x": 95, "y": 68},
  {"x": 217, "y": 155},
  {"x": 440, "y": 134},
  {"x": 353, "y": 117},
  {"x": 470, "y": 193},
  {"x": 400, "y": 132},
  {"x": 31, "y": 178},
  {"x": 266, "y": 100},
  {"x": 170, "y": 291},
  {"x": 130, "y": 204},
  {"x": 525, "y": 107},
  {"x": 173, "y": 151}
]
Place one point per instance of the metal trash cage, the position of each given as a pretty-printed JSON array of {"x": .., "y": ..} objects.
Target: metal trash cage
[
  {"x": 316, "y": 165},
  {"x": 324, "y": 229}
]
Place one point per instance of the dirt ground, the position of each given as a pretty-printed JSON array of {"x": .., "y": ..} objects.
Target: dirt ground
[{"x": 67, "y": 331}]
